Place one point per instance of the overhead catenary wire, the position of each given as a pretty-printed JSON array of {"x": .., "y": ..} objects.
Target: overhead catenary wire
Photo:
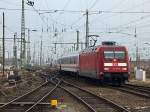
[
  {"x": 94, "y": 3},
  {"x": 46, "y": 3},
  {"x": 138, "y": 5},
  {"x": 76, "y": 21},
  {"x": 123, "y": 26},
  {"x": 39, "y": 15},
  {"x": 63, "y": 25},
  {"x": 143, "y": 17},
  {"x": 8, "y": 2},
  {"x": 117, "y": 5},
  {"x": 66, "y": 4},
  {"x": 81, "y": 11},
  {"x": 38, "y": 12},
  {"x": 136, "y": 20},
  {"x": 130, "y": 22},
  {"x": 8, "y": 28},
  {"x": 78, "y": 11},
  {"x": 61, "y": 12}
]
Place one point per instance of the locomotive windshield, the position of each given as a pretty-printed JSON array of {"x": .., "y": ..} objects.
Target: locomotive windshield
[
  {"x": 119, "y": 54},
  {"x": 109, "y": 54},
  {"x": 114, "y": 54}
]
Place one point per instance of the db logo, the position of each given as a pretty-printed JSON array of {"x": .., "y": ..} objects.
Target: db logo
[{"x": 115, "y": 64}]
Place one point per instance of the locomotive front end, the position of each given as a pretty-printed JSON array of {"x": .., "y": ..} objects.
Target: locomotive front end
[{"x": 115, "y": 64}]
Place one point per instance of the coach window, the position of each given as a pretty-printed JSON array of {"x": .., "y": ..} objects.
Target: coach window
[
  {"x": 75, "y": 58},
  {"x": 65, "y": 61},
  {"x": 68, "y": 59},
  {"x": 72, "y": 60},
  {"x": 61, "y": 61}
]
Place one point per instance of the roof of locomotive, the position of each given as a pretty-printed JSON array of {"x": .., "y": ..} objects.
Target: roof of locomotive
[
  {"x": 95, "y": 48},
  {"x": 91, "y": 49}
]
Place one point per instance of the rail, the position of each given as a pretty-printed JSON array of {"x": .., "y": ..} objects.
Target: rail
[{"x": 92, "y": 101}]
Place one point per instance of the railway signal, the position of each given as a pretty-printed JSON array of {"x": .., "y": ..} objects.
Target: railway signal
[{"x": 30, "y": 3}]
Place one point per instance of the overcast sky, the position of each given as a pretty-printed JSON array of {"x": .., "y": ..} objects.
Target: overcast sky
[{"x": 65, "y": 23}]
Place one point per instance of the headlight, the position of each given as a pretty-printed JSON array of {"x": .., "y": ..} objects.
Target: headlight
[
  {"x": 124, "y": 68},
  {"x": 106, "y": 68}
]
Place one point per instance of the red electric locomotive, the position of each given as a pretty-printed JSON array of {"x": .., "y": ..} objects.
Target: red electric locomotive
[{"x": 107, "y": 62}]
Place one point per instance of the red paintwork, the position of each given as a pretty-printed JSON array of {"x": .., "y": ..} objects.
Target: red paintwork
[
  {"x": 88, "y": 61},
  {"x": 94, "y": 61}
]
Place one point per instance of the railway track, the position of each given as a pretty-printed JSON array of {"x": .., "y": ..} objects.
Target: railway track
[
  {"x": 35, "y": 100},
  {"x": 121, "y": 96},
  {"x": 135, "y": 90},
  {"x": 94, "y": 102},
  {"x": 142, "y": 88},
  {"x": 31, "y": 100}
]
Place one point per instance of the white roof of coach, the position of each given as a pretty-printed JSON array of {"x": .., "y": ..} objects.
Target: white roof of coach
[{"x": 76, "y": 53}]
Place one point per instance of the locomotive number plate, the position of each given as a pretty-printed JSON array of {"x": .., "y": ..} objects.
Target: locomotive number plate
[{"x": 115, "y": 64}]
